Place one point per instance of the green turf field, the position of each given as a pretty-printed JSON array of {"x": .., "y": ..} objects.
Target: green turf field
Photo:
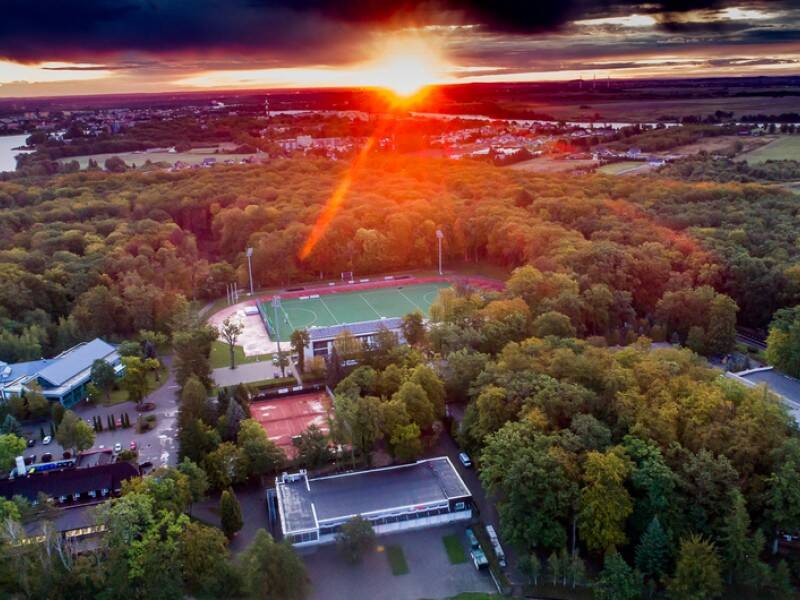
[
  {"x": 352, "y": 307},
  {"x": 784, "y": 148}
]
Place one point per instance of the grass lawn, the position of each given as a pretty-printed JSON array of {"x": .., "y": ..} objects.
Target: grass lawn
[
  {"x": 397, "y": 560},
  {"x": 221, "y": 357},
  {"x": 119, "y": 395},
  {"x": 786, "y": 147},
  {"x": 455, "y": 549},
  {"x": 620, "y": 167}
]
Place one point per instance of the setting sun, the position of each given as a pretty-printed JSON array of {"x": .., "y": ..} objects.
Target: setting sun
[{"x": 406, "y": 66}]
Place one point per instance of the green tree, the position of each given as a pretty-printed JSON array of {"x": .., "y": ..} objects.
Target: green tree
[
  {"x": 696, "y": 339},
  {"x": 230, "y": 332},
  {"x": 721, "y": 332},
  {"x": 697, "y": 572},
  {"x": 262, "y": 454},
  {"x": 741, "y": 549},
  {"x": 57, "y": 411},
  {"x": 528, "y": 474},
  {"x": 553, "y": 323},
  {"x": 196, "y": 478},
  {"x": 417, "y": 403},
  {"x": 230, "y": 513},
  {"x": 135, "y": 380},
  {"x": 272, "y": 570},
  {"x": 433, "y": 386},
  {"x": 115, "y": 164},
  {"x": 358, "y": 421},
  {"x": 197, "y": 440},
  {"x": 653, "y": 551},
  {"x": 226, "y": 465},
  {"x": 605, "y": 503},
  {"x": 463, "y": 367},
  {"x": 355, "y": 538},
  {"x": 192, "y": 348},
  {"x": 194, "y": 403},
  {"x": 413, "y": 328},
  {"x": 783, "y": 493},
  {"x": 299, "y": 339},
  {"x": 75, "y": 433},
  {"x": 154, "y": 560},
  {"x": 11, "y": 426},
  {"x": 533, "y": 568},
  {"x": 312, "y": 447},
  {"x": 38, "y": 405},
  {"x": 205, "y": 562},
  {"x": 11, "y": 446},
  {"x": 618, "y": 581},
  {"x": 406, "y": 443},
  {"x": 783, "y": 341}
]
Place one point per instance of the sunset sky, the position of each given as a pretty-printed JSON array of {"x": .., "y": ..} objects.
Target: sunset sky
[{"x": 106, "y": 46}]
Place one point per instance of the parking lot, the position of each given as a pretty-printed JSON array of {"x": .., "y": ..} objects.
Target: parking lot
[
  {"x": 430, "y": 573},
  {"x": 158, "y": 446}
]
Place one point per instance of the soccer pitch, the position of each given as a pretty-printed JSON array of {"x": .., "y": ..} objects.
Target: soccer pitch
[{"x": 342, "y": 308}]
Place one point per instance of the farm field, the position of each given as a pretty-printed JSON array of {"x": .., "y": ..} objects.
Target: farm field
[
  {"x": 551, "y": 165},
  {"x": 140, "y": 157},
  {"x": 624, "y": 167},
  {"x": 652, "y": 109},
  {"x": 786, "y": 147}
]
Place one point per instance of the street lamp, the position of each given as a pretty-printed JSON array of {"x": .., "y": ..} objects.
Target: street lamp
[
  {"x": 250, "y": 268},
  {"x": 276, "y": 304},
  {"x": 440, "y": 237}
]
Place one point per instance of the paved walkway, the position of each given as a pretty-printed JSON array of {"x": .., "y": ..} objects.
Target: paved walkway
[
  {"x": 254, "y": 339},
  {"x": 249, "y": 372}
]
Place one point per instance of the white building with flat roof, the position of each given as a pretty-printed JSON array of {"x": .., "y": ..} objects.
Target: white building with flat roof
[{"x": 426, "y": 493}]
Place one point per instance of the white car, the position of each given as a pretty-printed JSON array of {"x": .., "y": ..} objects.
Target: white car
[
  {"x": 465, "y": 459},
  {"x": 117, "y": 447},
  {"x": 47, "y": 440}
]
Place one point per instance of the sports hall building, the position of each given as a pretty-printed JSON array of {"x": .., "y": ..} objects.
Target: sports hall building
[{"x": 422, "y": 494}]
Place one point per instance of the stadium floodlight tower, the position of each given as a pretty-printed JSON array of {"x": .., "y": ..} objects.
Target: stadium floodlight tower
[
  {"x": 440, "y": 237},
  {"x": 250, "y": 267},
  {"x": 276, "y": 304}
]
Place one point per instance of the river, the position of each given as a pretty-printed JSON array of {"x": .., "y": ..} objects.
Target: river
[{"x": 7, "y": 152}]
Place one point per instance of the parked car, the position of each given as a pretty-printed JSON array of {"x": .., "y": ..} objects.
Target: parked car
[
  {"x": 47, "y": 457},
  {"x": 133, "y": 444},
  {"x": 47, "y": 440},
  {"x": 117, "y": 447},
  {"x": 465, "y": 460},
  {"x": 31, "y": 443},
  {"x": 66, "y": 454},
  {"x": 29, "y": 460}
]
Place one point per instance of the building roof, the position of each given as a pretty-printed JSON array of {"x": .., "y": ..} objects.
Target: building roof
[
  {"x": 71, "y": 362},
  {"x": 356, "y": 329},
  {"x": 12, "y": 372},
  {"x": 305, "y": 503},
  {"x": 69, "y": 481}
]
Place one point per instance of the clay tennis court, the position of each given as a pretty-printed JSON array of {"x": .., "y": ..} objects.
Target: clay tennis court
[{"x": 286, "y": 417}]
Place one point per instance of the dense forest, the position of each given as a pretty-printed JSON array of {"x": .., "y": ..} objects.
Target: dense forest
[{"x": 104, "y": 254}]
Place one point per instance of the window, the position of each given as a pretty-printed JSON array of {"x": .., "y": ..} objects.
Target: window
[{"x": 460, "y": 506}]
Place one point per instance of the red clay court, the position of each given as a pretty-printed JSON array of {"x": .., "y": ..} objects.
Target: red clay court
[{"x": 286, "y": 417}]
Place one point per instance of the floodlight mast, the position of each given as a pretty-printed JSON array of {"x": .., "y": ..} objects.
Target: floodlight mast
[
  {"x": 250, "y": 268},
  {"x": 276, "y": 304},
  {"x": 440, "y": 237}
]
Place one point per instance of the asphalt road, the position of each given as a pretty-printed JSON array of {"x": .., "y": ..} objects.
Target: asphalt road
[{"x": 447, "y": 446}]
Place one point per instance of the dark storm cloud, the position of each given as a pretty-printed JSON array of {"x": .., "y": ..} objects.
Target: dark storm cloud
[{"x": 289, "y": 31}]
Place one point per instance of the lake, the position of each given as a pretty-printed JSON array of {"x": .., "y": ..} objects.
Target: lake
[{"x": 7, "y": 153}]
